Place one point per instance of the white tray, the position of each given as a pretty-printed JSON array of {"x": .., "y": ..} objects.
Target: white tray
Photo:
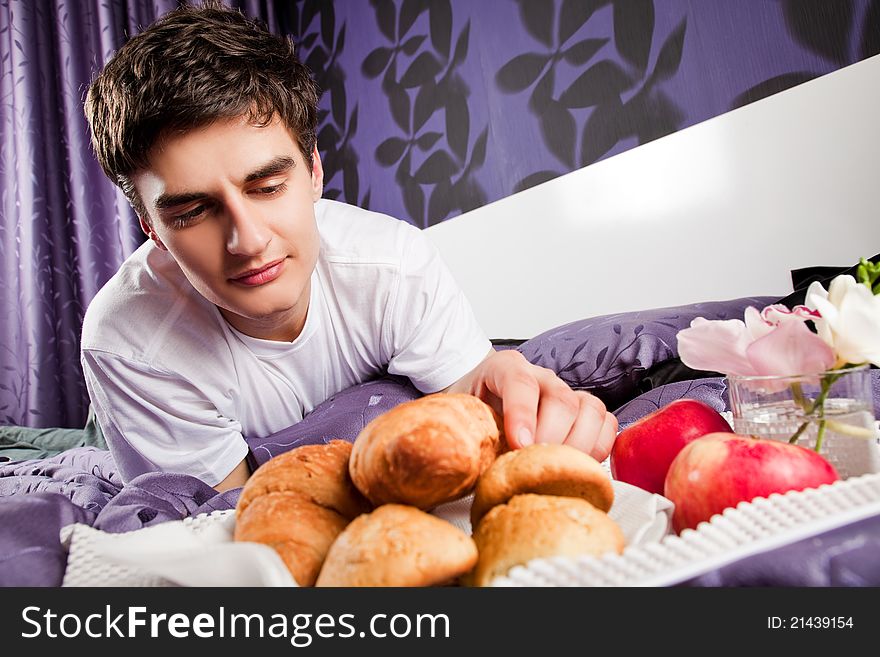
[{"x": 750, "y": 528}]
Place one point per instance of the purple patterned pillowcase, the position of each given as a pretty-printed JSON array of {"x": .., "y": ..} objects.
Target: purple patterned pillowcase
[
  {"x": 340, "y": 417},
  {"x": 711, "y": 391},
  {"x": 609, "y": 355}
]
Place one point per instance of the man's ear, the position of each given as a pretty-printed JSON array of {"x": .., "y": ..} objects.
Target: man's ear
[
  {"x": 147, "y": 227},
  {"x": 317, "y": 175}
]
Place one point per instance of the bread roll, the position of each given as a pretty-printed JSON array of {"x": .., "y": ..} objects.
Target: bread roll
[
  {"x": 299, "y": 530},
  {"x": 398, "y": 545},
  {"x": 318, "y": 473},
  {"x": 534, "y": 526},
  {"x": 298, "y": 503},
  {"x": 545, "y": 469},
  {"x": 425, "y": 452}
]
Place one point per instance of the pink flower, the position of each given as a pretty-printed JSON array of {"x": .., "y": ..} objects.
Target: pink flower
[{"x": 773, "y": 342}]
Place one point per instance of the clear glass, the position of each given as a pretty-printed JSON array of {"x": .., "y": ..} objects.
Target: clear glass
[{"x": 835, "y": 407}]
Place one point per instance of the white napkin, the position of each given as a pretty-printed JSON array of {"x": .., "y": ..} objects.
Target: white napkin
[
  {"x": 643, "y": 517},
  {"x": 176, "y": 553}
]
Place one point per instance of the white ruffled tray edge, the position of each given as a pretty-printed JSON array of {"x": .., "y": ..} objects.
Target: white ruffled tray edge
[{"x": 750, "y": 528}]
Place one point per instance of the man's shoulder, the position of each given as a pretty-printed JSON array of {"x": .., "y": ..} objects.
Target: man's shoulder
[
  {"x": 352, "y": 233},
  {"x": 141, "y": 306}
]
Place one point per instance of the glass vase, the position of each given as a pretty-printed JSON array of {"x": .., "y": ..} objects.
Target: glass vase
[{"x": 833, "y": 409}]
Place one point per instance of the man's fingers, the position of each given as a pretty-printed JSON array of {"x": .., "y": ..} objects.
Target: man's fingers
[
  {"x": 607, "y": 436},
  {"x": 538, "y": 407},
  {"x": 558, "y": 412},
  {"x": 521, "y": 392},
  {"x": 586, "y": 430}
]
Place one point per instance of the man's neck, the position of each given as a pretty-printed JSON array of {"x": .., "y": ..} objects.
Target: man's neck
[{"x": 282, "y": 327}]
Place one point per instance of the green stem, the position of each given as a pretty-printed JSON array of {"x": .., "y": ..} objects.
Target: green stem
[
  {"x": 797, "y": 434},
  {"x": 827, "y": 382},
  {"x": 819, "y": 402},
  {"x": 815, "y": 409},
  {"x": 820, "y": 434},
  {"x": 797, "y": 393},
  {"x": 817, "y": 405},
  {"x": 850, "y": 430}
]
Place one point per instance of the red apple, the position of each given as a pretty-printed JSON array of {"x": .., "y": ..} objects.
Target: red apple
[
  {"x": 723, "y": 469},
  {"x": 643, "y": 451}
]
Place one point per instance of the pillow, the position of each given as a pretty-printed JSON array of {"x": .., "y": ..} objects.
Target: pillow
[
  {"x": 712, "y": 391},
  {"x": 340, "y": 417},
  {"x": 608, "y": 355}
]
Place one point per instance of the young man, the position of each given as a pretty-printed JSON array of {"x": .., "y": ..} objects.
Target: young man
[{"x": 254, "y": 300}]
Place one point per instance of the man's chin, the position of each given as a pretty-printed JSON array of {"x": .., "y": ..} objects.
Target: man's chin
[{"x": 278, "y": 321}]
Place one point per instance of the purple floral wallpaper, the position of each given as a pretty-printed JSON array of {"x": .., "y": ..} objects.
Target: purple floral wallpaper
[
  {"x": 430, "y": 108},
  {"x": 434, "y": 107}
]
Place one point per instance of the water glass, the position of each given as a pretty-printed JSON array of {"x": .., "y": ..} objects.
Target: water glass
[{"x": 834, "y": 409}]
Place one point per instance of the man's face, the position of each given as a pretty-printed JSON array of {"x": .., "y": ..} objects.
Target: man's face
[{"x": 234, "y": 205}]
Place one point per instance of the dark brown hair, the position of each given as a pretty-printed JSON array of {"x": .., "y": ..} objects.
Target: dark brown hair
[{"x": 188, "y": 69}]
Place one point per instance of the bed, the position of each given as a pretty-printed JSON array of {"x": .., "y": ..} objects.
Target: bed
[
  {"x": 623, "y": 358},
  {"x": 624, "y": 254}
]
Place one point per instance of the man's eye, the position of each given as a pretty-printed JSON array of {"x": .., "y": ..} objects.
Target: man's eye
[
  {"x": 270, "y": 190},
  {"x": 182, "y": 219}
]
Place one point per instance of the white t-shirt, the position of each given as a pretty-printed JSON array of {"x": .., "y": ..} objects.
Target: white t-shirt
[{"x": 175, "y": 387}]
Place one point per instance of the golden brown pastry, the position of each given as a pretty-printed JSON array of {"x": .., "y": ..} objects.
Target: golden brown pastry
[
  {"x": 318, "y": 473},
  {"x": 425, "y": 452},
  {"x": 545, "y": 469},
  {"x": 533, "y": 526},
  {"x": 299, "y": 530},
  {"x": 298, "y": 503},
  {"x": 398, "y": 545}
]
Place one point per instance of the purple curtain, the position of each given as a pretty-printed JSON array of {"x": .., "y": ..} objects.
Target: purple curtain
[{"x": 64, "y": 228}]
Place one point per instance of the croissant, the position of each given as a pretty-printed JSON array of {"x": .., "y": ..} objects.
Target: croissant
[
  {"x": 532, "y": 526},
  {"x": 398, "y": 545},
  {"x": 298, "y": 503},
  {"x": 546, "y": 469},
  {"x": 427, "y": 451}
]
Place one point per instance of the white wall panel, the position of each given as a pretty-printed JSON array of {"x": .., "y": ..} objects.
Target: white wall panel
[{"x": 722, "y": 209}]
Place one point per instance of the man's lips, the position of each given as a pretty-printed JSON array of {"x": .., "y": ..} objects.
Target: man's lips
[{"x": 261, "y": 275}]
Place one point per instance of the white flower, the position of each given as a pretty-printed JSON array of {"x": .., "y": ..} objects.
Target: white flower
[{"x": 850, "y": 319}]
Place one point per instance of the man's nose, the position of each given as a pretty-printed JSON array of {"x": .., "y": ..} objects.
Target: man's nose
[{"x": 248, "y": 233}]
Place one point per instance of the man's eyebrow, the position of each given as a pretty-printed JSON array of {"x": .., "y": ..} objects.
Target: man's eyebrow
[
  {"x": 166, "y": 201},
  {"x": 276, "y": 166}
]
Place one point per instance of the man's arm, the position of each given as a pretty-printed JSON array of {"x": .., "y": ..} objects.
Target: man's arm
[
  {"x": 236, "y": 478},
  {"x": 538, "y": 406},
  {"x": 139, "y": 413}
]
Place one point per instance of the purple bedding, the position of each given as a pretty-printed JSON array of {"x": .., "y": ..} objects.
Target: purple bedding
[{"x": 606, "y": 355}]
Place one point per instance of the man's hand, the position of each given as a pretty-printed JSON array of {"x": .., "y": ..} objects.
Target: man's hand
[{"x": 538, "y": 406}]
